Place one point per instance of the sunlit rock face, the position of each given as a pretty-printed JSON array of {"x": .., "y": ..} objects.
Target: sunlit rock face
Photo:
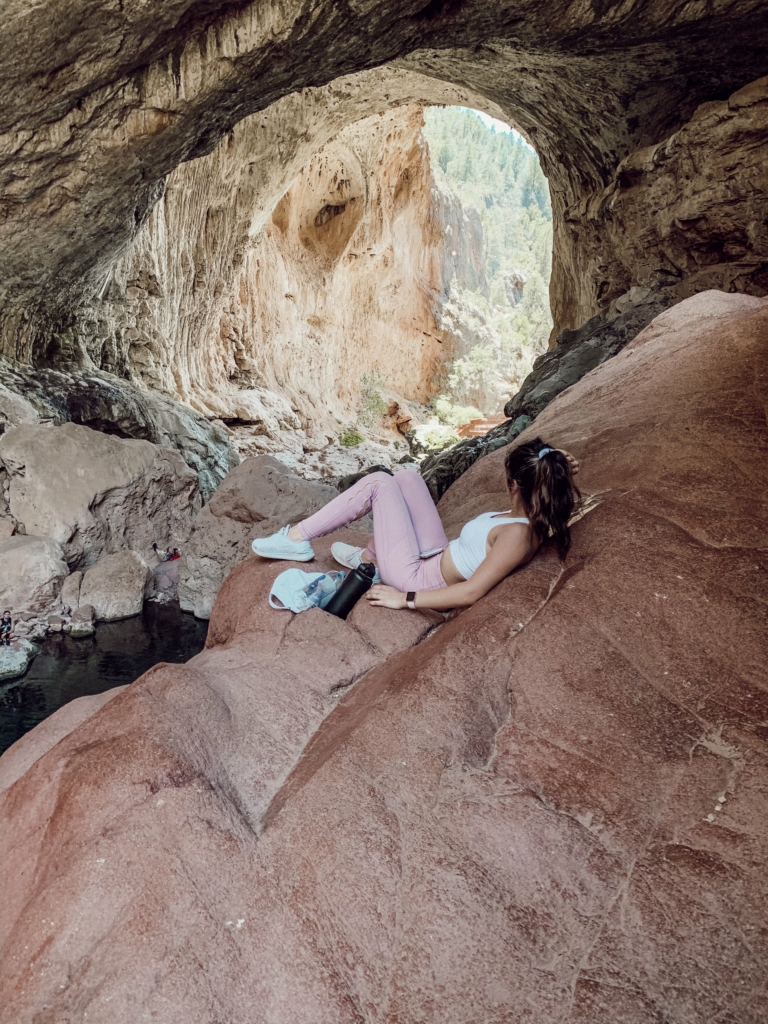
[
  {"x": 272, "y": 322},
  {"x": 102, "y": 104}
]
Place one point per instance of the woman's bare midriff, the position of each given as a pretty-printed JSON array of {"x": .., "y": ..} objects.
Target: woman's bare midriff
[{"x": 449, "y": 571}]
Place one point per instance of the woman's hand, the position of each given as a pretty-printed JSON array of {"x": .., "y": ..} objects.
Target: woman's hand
[
  {"x": 573, "y": 462},
  {"x": 385, "y": 597}
]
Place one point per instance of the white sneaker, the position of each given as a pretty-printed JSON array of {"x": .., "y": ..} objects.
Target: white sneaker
[
  {"x": 279, "y": 545},
  {"x": 350, "y": 557}
]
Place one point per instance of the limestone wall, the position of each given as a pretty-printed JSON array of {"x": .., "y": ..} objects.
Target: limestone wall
[
  {"x": 272, "y": 322},
  {"x": 216, "y": 306}
]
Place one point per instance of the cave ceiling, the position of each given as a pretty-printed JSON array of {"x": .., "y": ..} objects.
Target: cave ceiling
[{"x": 106, "y": 101}]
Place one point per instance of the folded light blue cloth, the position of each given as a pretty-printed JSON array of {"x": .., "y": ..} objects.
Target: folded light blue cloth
[{"x": 295, "y": 590}]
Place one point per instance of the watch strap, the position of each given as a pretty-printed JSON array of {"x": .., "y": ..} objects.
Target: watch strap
[{"x": 410, "y": 600}]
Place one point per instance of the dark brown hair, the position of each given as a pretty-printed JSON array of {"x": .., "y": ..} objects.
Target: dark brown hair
[{"x": 547, "y": 489}]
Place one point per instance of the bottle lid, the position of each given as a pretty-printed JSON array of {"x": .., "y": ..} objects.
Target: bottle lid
[{"x": 367, "y": 569}]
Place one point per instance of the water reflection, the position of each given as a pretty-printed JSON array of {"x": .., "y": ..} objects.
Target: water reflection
[{"x": 118, "y": 653}]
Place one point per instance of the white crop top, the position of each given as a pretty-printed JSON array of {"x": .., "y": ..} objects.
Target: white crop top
[{"x": 468, "y": 550}]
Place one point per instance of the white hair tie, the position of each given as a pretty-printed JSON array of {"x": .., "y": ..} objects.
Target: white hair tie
[{"x": 544, "y": 451}]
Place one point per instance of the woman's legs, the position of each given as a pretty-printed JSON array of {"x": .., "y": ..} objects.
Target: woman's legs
[
  {"x": 397, "y": 544},
  {"x": 424, "y": 515}
]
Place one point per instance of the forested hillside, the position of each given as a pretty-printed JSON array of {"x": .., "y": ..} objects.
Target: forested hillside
[{"x": 500, "y": 175}]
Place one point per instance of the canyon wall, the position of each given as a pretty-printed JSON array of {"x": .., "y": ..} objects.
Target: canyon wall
[{"x": 272, "y": 321}]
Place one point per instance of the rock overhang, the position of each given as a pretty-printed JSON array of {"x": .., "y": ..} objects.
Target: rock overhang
[{"x": 586, "y": 86}]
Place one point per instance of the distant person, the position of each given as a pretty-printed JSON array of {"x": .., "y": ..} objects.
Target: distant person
[
  {"x": 166, "y": 556},
  {"x": 6, "y": 628},
  {"x": 418, "y": 567}
]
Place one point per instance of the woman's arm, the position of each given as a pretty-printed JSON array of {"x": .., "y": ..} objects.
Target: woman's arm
[{"x": 509, "y": 550}]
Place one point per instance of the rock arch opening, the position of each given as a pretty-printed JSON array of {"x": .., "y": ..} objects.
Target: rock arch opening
[{"x": 267, "y": 313}]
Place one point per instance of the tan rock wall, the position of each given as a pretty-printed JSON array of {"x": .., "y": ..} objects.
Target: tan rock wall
[
  {"x": 273, "y": 323},
  {"x": 682, "y": 216}
]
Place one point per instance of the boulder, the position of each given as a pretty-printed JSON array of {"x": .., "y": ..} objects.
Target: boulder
[
  {"x": 256, "y": 498},
  {"x": 115, "y": 587},
  {"x": 337, "y": 460},
  {"x": 70, "y": 591},
  {"x": 16, "y": 659},
  {"x": 78, "y": 629},
  {"x": 551, "y": 808},
  {"x": 7, "y": 528},
  {"x": 95, "y": 493},
  {"x": 264, "y": 488},
  {"x": 112, "y": 404},
  {"x": 32, "y": 570}
]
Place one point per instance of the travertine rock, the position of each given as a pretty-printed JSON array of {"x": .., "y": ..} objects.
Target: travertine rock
[
  {"x": 102, "y": 113},
  {"x": 116, "y": 586},
  {"x": 15, "y": 409},
  {"x": 677, "y": 217},
  {"x": 104, "y": 402},
  {"x": 551, "y": 808},
  {"x": 70, "y": 591},
  {"x": 337, "y": 460},
  {"x": 347, "y": 273},
  {"x": 32, "y": 570},
  {"x": 95, "y": 493},
  {"x": 16, "y": 659},
  {"x": 79, "y": 629}
]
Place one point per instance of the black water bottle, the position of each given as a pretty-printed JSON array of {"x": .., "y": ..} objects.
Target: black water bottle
[{"x": 357, "y": 583}]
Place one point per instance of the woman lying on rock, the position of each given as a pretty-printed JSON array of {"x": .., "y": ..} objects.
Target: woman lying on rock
[{"x": 418, "y": 566}]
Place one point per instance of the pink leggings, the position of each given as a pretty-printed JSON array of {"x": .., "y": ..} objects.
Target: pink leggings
[{"x": 405, "y": 523}]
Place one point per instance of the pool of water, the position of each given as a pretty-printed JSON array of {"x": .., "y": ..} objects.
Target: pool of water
[{"x": 118, "y": 653}]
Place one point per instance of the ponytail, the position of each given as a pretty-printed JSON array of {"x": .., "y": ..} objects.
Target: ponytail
[{"x": 549, "y": 494}]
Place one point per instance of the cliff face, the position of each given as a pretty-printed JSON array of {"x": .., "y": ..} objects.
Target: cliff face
[
  {"x": 551, "y": 807},
  {"x": 678, "y": 217},
  {"x": 273, "y": 323}
]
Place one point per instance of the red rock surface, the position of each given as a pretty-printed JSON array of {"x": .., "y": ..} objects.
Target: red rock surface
[{"x": 515, "y": 820}]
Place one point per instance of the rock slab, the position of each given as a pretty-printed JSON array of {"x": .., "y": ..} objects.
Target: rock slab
[
  {"x": 32, "y": 570},
  {"x": 552, "y": 808}
]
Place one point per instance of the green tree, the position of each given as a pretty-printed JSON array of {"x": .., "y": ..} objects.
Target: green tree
[{"x": 498, "y": 174}]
